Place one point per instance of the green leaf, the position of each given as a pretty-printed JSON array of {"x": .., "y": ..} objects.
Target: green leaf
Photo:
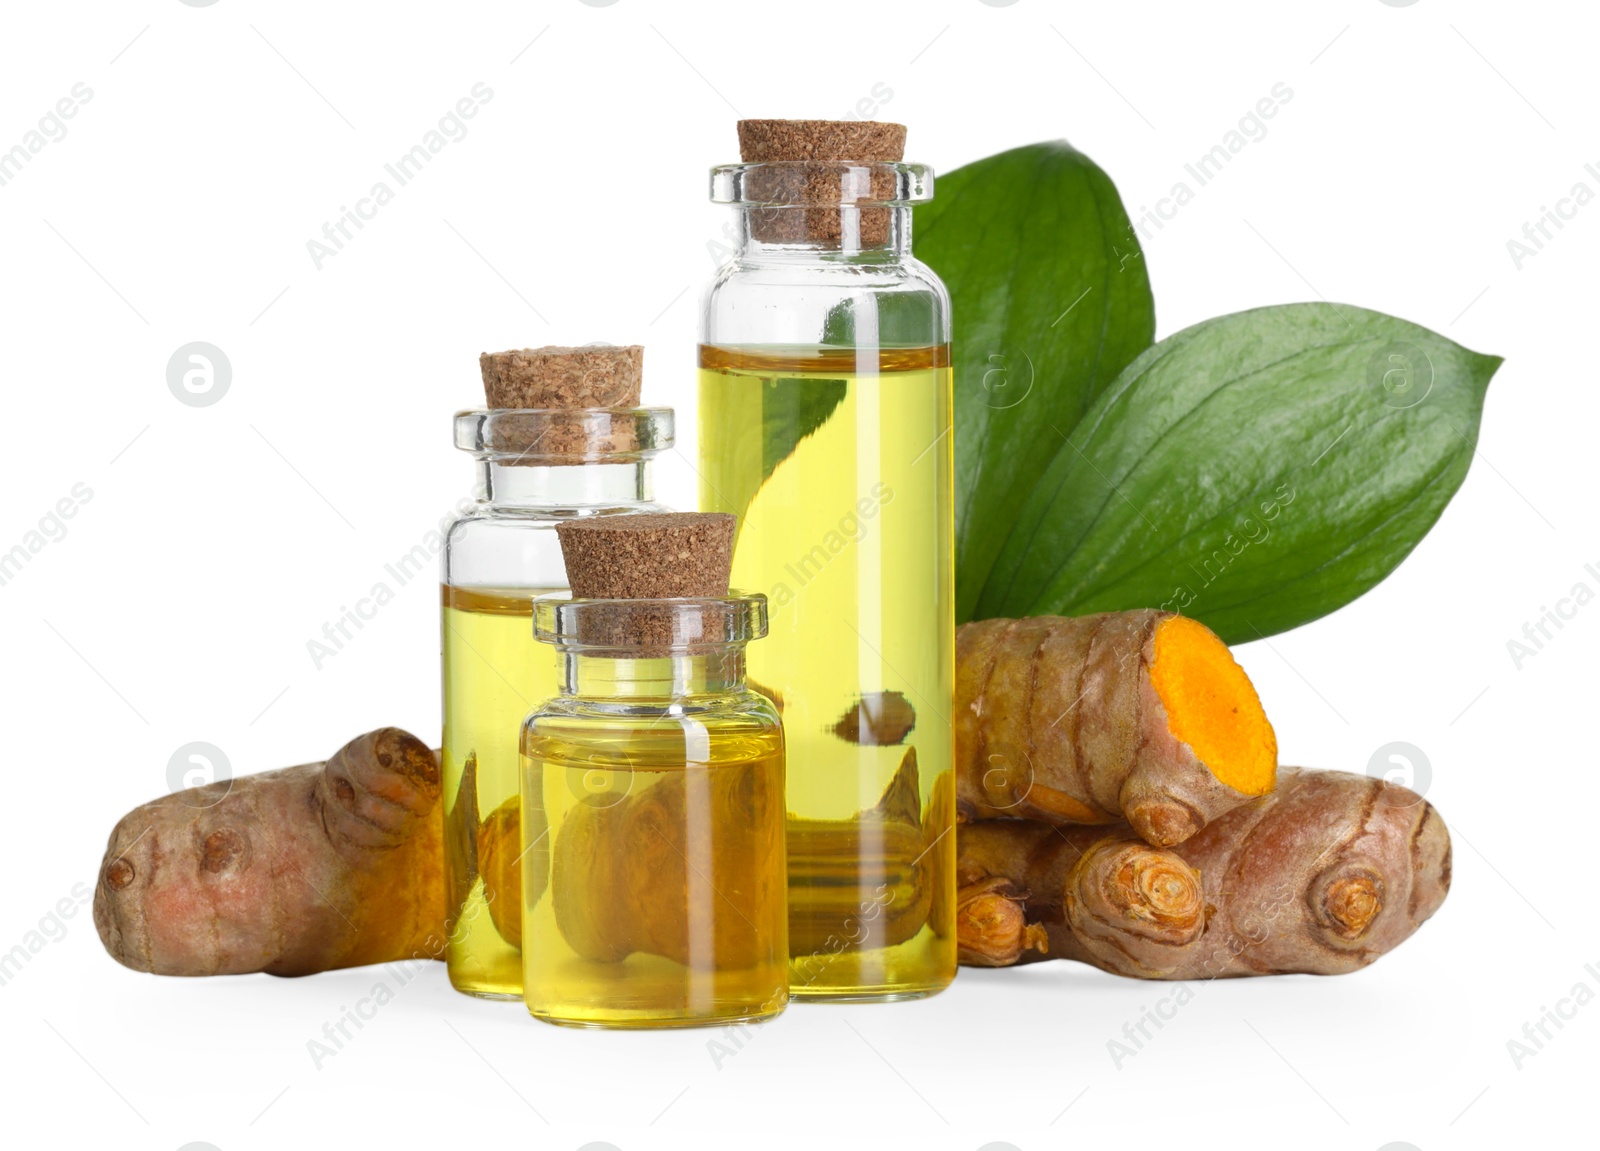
[
  {"x": 788, "y": 409},
  {"x": 1049, "y": 300},
  {"x": 1255, "y": 471},
  {"x": 793, "y": 410}
]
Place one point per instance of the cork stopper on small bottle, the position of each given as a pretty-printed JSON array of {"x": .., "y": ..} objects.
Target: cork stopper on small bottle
[
  {"x": 658, "y": 555},
  {"x": 653, "y": 559},
  {"x": 812, "y": 159},
  {"x": 597, "y": 376}
]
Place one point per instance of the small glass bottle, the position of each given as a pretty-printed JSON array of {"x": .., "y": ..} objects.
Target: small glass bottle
[
  {"x": 658, "y": 777},
  {"x": 536, "y": 469},
  {"x": 825, "y": 418}
]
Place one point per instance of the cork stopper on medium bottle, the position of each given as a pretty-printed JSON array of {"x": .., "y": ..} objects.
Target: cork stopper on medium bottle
[
  {"x": 597, "y": 376},
  {"x": 538, "y": 385},
  {"x": 863, "y": 141},
  {"x": 811, "y": 159}
]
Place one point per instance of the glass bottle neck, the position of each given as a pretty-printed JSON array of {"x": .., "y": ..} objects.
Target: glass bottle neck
[
  {"x": 658, "y": 679},
  {"x": 889, "y": 246},
  {"x": 563, "y": 485}
]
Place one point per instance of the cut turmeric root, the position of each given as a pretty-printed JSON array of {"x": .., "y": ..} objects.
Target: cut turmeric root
[
  {"x": 1321, "y": 877},
  {"x": 1139, "y": 716}
]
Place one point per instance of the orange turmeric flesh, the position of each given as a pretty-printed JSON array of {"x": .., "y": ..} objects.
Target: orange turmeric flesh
[
  {"x": 1212, "y": 706},
  {"x": 1137, "y": 716}
]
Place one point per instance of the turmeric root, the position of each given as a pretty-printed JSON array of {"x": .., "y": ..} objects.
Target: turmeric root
[
  {"x": 827, "y": 911},
  {"x": 461, "y": 835},
  {"x": 1139, "y": 716},
  {"x": 992, "y": 928},
  {"x": 501, "y": 857},
  {"x": 829, "y": 908},
  {"x": 632, "y": 873},
  {"x": 492, "y": 850},
  {"x": 289, "y": 872},
  {"x": 1321, "y": 877},
  {"x": 938, "y": 826},
  {"x": 879, "y": 718}
]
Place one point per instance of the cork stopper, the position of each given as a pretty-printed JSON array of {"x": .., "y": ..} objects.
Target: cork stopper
[
  {"x": 814, "y": 159},
  {"x": 598, "y": 376},
  {"x": 863, "y": 141},
  {"x": 556, "y": 379},
  {"x": 656, "y": 561},
  {"x": 649, "y": 556}
]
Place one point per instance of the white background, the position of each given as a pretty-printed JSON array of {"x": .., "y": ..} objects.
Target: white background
[{"x": 218, "y": 540}]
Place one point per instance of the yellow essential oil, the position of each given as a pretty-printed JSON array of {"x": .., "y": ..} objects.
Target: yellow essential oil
[
  {"x": 495, "y": 672},
  {"x": 655, "y": 784},
  {"x": 536, "y": 469},
  {"x": 838, "y": 461}
]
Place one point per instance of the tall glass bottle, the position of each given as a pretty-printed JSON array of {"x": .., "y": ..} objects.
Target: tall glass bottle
[
  {"x": 825, "y": 418},
  {"x": 497, "y": 558}
]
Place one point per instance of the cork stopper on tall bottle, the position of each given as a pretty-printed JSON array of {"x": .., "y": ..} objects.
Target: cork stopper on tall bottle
[
  {"x": 811, "y": 185},
  {"x": 557, "y": 401}
]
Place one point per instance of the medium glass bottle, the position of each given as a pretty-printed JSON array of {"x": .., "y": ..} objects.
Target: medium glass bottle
[
  {"x": 825, "y": 417},
  {"x": 497, "y": 558},
  {"x": 657, "y": 778}
]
